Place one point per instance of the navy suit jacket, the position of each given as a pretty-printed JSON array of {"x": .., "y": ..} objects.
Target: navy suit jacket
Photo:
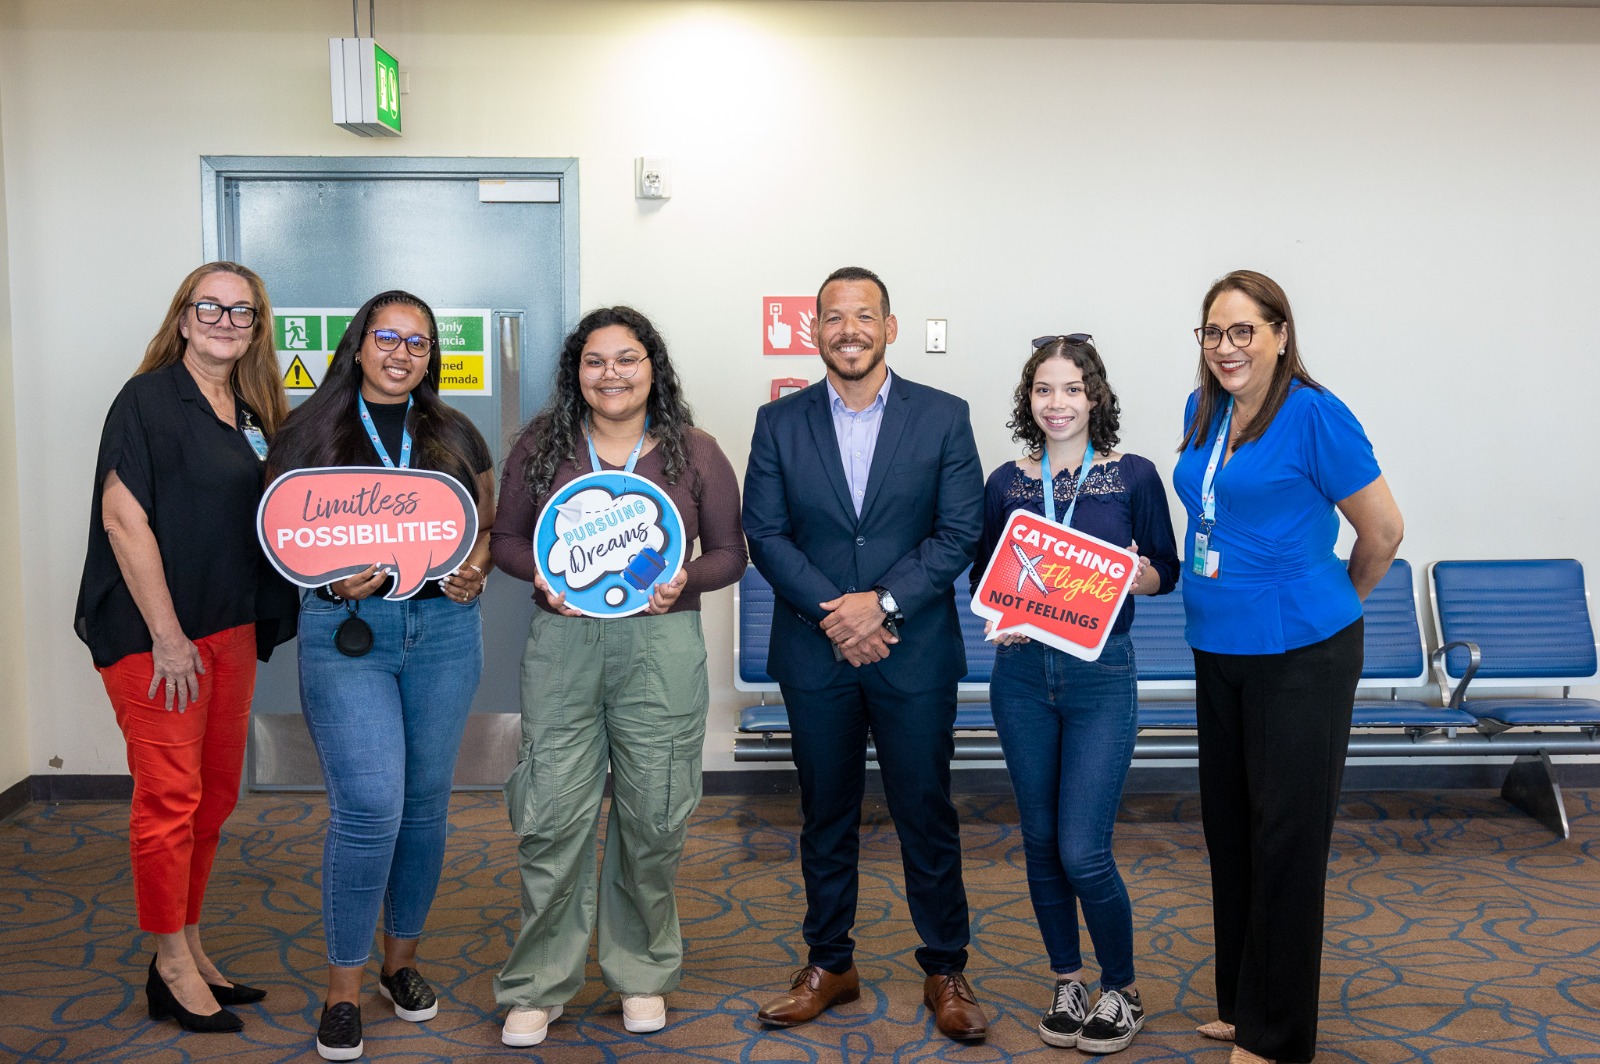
[{"x": 920, "y": 521}]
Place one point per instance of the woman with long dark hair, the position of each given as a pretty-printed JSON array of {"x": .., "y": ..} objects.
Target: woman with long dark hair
[
  {"x": 387, "y": 721},
  {"x": 177, "y": 603},
  {"x": 1269, "y": 461},
  {"x": 629, "y": 693},
  {"x": 1067, "y": 726}
]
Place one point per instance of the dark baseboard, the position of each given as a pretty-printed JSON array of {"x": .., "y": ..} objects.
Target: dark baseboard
[
  {"x": 84, "y": 788},
  {"x": 15, "y": 797},
  {"x": 1142, "y": 779}
]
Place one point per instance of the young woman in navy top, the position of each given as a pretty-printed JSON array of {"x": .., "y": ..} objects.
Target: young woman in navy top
[
  {"x": 1274, "y": 619},
  {"x": 1067, "y": 726}
]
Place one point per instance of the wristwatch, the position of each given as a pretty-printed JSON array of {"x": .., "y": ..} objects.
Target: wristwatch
[{"x": 892, "y": 617}]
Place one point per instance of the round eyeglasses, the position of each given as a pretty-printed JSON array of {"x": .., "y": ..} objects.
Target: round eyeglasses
[
  {"x": 624, "y": 366},
  {"x": 388, "y": 340},
  {"x": 1239, "y": 334},
  {"x": 242, "y": 315}
]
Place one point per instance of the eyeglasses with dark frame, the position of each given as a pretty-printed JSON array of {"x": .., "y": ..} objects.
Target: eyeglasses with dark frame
[
  {"x": 242, "y": 315},
  {"x": 1240, "y": 334},
  {"x": 624, "y": 366},
  {"x": 387, "y": 340},
  {"x": 1075, "y": 339}
]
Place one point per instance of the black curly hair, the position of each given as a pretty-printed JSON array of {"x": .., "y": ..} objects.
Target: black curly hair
[
  {"x": 1104, "y": 418},
  {"x": 558, "y": 428}
]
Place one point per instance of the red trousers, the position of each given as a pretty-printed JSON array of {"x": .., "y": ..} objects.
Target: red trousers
[{"x": 186, "y": 769}]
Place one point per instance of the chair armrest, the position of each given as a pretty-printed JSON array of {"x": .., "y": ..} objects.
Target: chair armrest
[{"x": 1437, "y": 660}]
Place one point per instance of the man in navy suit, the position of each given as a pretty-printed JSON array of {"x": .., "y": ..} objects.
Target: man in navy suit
[{"x": 863, "y": 500}]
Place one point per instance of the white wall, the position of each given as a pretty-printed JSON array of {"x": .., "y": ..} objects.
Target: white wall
[
  {"x": 14, "y": 754},
  {"x": 1421, "y": 180}
]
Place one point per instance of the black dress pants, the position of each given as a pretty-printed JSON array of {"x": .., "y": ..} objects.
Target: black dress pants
[
  {"x": 914, "y": 744},
  {"x": 1274, "y": 729}
]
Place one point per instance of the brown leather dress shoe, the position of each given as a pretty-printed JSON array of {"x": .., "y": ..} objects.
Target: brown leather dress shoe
[
  {"x": 813, "y": 991},
  {"x": 954, "y": 1008}
]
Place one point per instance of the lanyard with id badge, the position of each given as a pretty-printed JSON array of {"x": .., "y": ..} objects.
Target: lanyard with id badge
[
  {"x": 253, "y": 434},
  {"x": 1205, "y": 561},
  {"x": 353, "y": 637}
]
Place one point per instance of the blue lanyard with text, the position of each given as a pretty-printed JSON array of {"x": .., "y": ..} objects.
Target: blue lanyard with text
[
  {"x": 372, "y": 433},
  {"x": 633, "y": 456},
  {"x": 1207, "y": 561},
  {"x": 1050, "y": 485},
  {"x": 1208, "y": 486}
]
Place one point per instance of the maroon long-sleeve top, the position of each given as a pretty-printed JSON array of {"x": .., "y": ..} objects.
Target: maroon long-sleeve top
[{"x": 706, "y": 494}]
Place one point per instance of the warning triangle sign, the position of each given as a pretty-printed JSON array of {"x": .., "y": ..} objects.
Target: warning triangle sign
[{"x": 297, "y": 376}]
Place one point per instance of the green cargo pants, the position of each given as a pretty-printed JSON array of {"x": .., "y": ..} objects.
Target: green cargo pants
[{"x": 631, "y": 694}]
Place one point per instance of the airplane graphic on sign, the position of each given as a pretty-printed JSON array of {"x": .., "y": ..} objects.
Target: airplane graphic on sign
[
  {"x": 786, "y": 323},
  {"x": 1055, "y": 584}
]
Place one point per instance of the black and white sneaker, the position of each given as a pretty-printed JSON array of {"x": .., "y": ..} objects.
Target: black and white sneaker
[
  {"x": 1068, "y": 1008},
  {"x": 413, "y": 998},
  {"x": 339, "y": 1033},
  {"x": 1113, "y": 1023}
]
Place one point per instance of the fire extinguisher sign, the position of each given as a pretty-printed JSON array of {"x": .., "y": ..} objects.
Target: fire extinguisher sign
[{"x": 786, "y": 325}]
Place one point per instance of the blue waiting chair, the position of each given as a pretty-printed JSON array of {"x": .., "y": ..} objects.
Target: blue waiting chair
[{"x": 1518, "y": 624}]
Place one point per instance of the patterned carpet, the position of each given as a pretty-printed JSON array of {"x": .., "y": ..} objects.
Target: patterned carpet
[{"x": 1459, "y": 932}]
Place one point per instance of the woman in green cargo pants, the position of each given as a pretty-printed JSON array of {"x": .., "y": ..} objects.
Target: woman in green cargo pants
[{"x": 628, "y": 693}]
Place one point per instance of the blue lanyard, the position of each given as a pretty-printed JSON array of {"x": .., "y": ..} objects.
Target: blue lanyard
[
  {"x": 1050, "y": 485},
  {"x": 372, "y": 434},
  {"x": 1208, "y": 488},
  {"x": 633, "y": 457}
]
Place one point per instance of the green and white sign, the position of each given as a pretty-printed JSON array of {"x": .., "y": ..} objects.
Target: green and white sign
[
  {"x": 386, "y": 86},
  {"x": 366, "y": 86},
  {"x": 308, "y": 336}
]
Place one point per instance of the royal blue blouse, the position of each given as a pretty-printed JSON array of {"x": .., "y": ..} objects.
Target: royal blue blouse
[
  {"x": 1279, "y": 585},
  {"x": 1123, "y": 502}
]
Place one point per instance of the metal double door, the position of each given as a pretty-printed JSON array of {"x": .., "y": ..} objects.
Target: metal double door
[{"x": 497, "y": 236}]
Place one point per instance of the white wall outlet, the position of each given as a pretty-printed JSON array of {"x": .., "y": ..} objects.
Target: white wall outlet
[
  {"x": 936, "y": 335},
  {"x": 652, "y": 177}
]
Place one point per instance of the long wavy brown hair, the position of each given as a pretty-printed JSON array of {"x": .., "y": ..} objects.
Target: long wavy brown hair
[
  {"x": 1274, "y": 303},
  {"x": 255, "y": 376}
]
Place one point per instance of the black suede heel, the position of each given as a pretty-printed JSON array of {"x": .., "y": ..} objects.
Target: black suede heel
[{"x": 164, "y": 1006}]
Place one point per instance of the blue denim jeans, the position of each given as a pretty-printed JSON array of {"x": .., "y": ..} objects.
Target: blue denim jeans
[
  {"x": 386, "y": 727},
  {"x": 1067, "y": 728}
]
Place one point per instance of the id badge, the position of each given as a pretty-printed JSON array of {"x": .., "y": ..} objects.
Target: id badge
[
  {"x": 258, "y": 442},
  {"x": 1202, "y": 544}
]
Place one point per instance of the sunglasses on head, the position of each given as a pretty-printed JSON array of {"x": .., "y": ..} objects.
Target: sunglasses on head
[{"x": 1075, "y": 339}]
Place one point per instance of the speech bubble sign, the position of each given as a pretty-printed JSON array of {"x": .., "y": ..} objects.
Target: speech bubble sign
[
  {"x": 1051, "y": 583},
  {"x": 606, "y": 539},
  {"x": 321, "y": 525}
]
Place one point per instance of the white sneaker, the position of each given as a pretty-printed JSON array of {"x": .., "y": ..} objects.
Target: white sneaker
[
  {"x": 643, "y": 1013},
  {"x": 527, "y": 1025}
]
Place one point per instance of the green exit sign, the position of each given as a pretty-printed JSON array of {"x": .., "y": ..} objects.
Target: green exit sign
[{"x": 366, "y": 87}]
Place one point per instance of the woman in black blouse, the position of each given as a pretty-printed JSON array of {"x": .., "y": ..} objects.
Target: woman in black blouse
[{"x": 176, "y": 603}]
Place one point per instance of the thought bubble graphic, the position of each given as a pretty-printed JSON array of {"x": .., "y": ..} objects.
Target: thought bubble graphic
[
  {"x": 322, "y": 525},
  {"x": 606, "y": 539},
  {"x": 599, "y": 533}
]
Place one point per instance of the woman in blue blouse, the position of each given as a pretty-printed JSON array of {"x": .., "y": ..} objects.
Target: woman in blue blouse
[
  {"x": 1274, "y": 618},
  {"x": 1067, "y": 726}
]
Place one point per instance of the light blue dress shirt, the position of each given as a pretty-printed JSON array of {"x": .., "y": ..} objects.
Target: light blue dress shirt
[{"x": 857, "y": 433}]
